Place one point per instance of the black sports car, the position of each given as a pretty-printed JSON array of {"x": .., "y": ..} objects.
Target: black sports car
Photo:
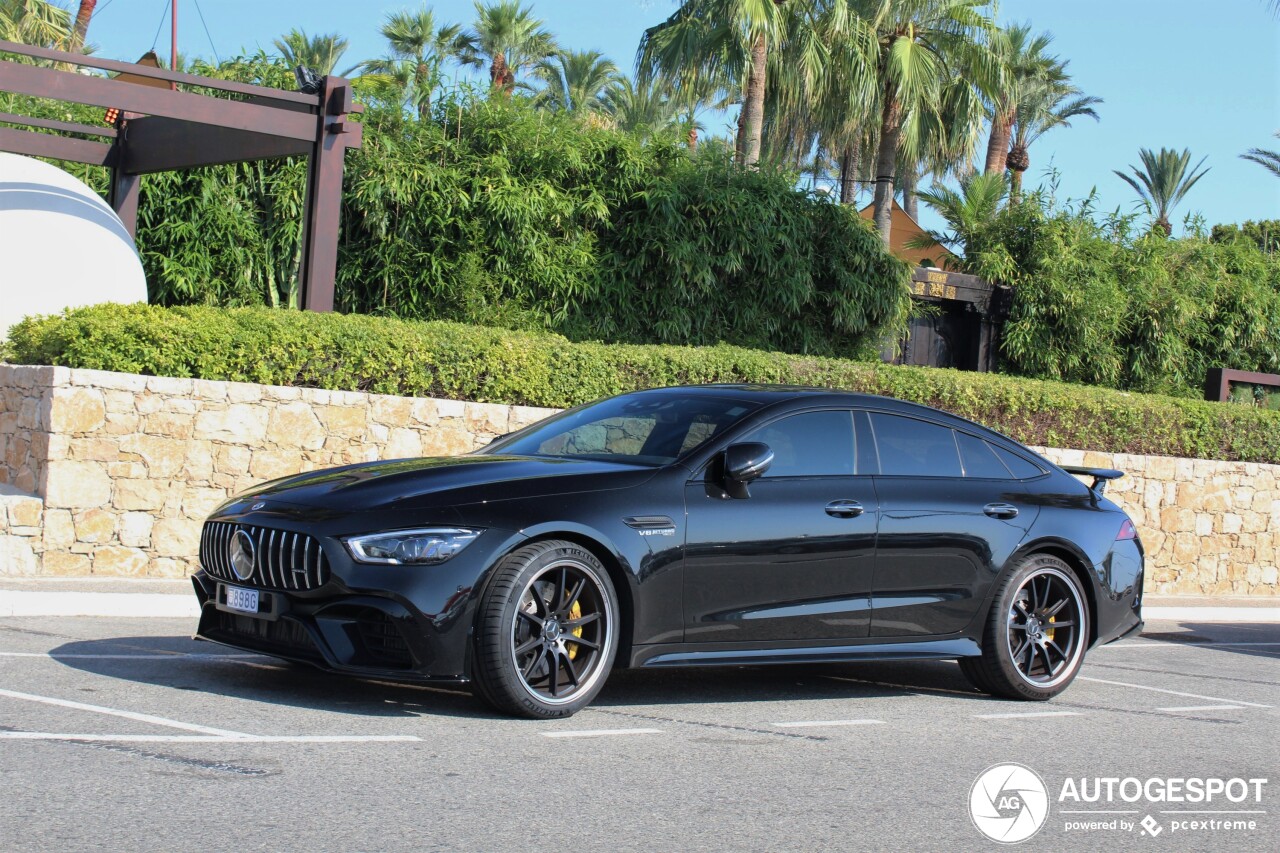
[{"x": 689, "y": 526}]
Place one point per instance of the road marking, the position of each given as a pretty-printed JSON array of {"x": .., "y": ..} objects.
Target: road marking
[
  {"x": 1203, "y": 708},
  {"x": 209, "y": 738},
  {"x": 1164, "y": 644},
  {"x": 1172, "y": 692},
  {"x": 128, "y": 715},
  {"x": 1018, "y": 715},
  {"x": 806, "y": 724},
  {"x": 151, "y": 656},
  {"x": 603, "y": 732}
]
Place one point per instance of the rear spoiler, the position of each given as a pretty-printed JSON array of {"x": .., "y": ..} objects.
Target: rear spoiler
[{"x": 1100, "y": 476}]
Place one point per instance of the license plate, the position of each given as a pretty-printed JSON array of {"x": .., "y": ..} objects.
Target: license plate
[{"x": 242, "y": 599}]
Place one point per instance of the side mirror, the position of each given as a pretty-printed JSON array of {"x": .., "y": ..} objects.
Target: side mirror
[{"x": 744, "y": 463}]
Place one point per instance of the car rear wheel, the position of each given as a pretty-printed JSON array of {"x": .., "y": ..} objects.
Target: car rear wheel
[
  {"x": 1036, "y": 633},
  {"x": 546, "y": 634}
]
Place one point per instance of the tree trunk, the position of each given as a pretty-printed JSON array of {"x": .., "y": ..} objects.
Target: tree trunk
[
  {"x": 498, "y": 70},
  {"x": 693, "y": 138},
  {"x": 910, "y": 203},
  {"x": 423, "y": 84},
  {"x": 1015, "y": 185},
  {"x": 752, "y": 129},
  {"x": 848, "y": 175},
  {"x": 886, "y": 159},
  {"x": 998, "y": 144},
  {"x": 83, "y": 15}
]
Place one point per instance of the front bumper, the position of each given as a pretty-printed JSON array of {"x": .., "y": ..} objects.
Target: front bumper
[{"x": 401, "y": 622}]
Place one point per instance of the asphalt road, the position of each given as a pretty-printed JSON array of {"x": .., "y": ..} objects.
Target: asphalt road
[{"x": 124, "y": 734}]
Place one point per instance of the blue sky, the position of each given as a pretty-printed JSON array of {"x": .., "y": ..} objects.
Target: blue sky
[{"x": 1175, "y": 73}]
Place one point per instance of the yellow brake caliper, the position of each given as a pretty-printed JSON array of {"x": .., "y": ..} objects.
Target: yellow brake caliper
[{"x": 575, "y": 612}]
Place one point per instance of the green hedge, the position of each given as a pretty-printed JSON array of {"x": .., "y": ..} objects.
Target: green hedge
[{"x": 439, "y": 359}]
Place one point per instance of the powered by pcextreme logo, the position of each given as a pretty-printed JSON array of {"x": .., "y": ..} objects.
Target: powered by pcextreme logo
[{"x": 1009, "y": 803}]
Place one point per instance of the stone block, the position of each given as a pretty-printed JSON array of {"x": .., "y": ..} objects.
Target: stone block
[
  {"x": 74, "y": 484},
  {"x": 65, "y": 564},
  {"x": 295, "y": 425},
  {"x": 59, "y": 529},
  {"x": 135, "y": 529},
  {"x": 77, "y": 410},
  {"x": 23, "y": 511},
  {"x": 198, "y": 502},
  {"x": 17, "y": 556},
  {"x": 139, "y": 495},
  {"x": 118, "y": 561},
  {"x": 176, "y": 537},
  {"x": 95, "y": 526},
  {"x": 164, "y": 457},
  {"x": 345, "y": 421},
  {"x": 273, "y": 464},
  {"x": 240, "y": 423}
]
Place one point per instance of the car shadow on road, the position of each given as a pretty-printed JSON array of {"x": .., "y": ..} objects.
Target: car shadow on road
[
  {"x": 182, "y": 663},
  {"x": 1258, "y": 639}
]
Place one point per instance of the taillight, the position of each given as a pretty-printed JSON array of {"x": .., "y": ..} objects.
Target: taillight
[{"x": 1127, "y": 531}]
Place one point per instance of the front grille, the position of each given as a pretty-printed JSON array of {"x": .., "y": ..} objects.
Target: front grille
[
  {"x": 382, "y": 640},
  {"x": 282, "y": 559},
  {"x": 285, "y": 636}
]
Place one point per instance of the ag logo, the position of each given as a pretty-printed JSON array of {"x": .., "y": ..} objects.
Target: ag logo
[{"x": 1008, "y": 803}]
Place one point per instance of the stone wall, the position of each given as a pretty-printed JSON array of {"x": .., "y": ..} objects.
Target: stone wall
[{"x": 112, "y": 474}]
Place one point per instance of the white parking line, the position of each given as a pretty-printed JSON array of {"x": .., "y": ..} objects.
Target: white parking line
[
  {"x": 1018, "y": 715},
  {"x": 209, "y": 738},
  {"x": 603, "y": 732},
  {"x": 808, "y": 724},
  {"x": 1172, "y": 692},
  {"x": 1203, "y": 708},
  {"x": 142, "y": 656},
  {"x": 1164, "y": 644},
  {"x": 128, "y": 715}
]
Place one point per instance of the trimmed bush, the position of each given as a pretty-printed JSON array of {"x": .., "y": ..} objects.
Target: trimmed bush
[{"x": 441, "y": 359}]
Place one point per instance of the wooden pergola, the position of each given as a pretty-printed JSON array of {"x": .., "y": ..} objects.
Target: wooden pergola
[{"x": 163, "y": 130}]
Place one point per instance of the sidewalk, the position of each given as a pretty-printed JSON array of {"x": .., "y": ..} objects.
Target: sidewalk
[{"x": 145, "y": 597}]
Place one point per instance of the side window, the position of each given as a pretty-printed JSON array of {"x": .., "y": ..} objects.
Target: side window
[
  {"x": 914, "y": 448},
  {"x": 979, "y": 458},
  {"x": 1020, "y": 468},
  {"x": 813, "y": 444}
]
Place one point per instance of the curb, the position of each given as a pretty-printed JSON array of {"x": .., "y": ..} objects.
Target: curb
[
  {"x": 127, "y": 604},
  {"x": 163, "y": 605}
]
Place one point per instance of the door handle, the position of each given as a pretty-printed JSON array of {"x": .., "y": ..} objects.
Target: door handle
[
  {"x": 844, "y": 509},
  {"x": 999, "y": 510}
]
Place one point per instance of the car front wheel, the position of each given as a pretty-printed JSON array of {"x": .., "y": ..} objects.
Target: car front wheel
[
  {"x": 546, "y": 634},
  {"x": 1036, "y": 633}
]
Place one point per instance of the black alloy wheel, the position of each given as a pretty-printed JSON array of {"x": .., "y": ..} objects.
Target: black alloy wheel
[
  {"x": 1036, "y": 634},
  {"x": 546, "y": 632}
]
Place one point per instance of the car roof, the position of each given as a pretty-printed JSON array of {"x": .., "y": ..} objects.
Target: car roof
[{"x": 767, "y": 396}]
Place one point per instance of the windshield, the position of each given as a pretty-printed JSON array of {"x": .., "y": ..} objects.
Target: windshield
[{"x": 638, "y": 429}]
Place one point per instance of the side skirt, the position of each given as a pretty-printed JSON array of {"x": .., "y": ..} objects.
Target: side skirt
[{"x": 686, "y": 655}]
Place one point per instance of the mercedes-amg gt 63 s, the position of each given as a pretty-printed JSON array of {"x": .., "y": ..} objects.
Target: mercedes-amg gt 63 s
[{"x": 696, "y": 526}]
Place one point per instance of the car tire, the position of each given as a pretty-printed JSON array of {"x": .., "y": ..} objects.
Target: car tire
[
  {"x": 546, "y": 632},
  {"x": 1036, "y": 634}
]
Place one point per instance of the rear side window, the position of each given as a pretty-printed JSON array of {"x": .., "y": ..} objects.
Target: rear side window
[
  {"x": 1021, "y": 468},
  {"x": 914, "y": 448},
  {"x": 980, "y": 459},
  {"x": 812, "y": 444}
]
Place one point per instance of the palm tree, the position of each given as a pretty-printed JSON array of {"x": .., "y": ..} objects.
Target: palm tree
[
  {"x": 1025, "y": 66},
  {"x": 1269, "y": 160},
  {"x": 319, "y": 53},
  {"x": 1047, "y": 105},
  {"x": 966, "y": 212},
  {"x": 575, "y": 81},
  {"x": 84, "y": 14},
  {"x": 643, "y": 108},
  {"x": 715, "y": 44},
  {"x": 34, "y": 22},
  {"x": 418, "y": 49},
  {"x": 510, "y": 38},
  {"x": 920, "y": 54},
  {"x": 1162, "y": 182}
]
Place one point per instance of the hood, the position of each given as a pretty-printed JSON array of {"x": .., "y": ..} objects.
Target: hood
[{"x": 455, "y": 480}]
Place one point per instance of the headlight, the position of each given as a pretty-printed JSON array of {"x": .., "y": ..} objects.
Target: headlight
[{"x": 425, "y": 547}]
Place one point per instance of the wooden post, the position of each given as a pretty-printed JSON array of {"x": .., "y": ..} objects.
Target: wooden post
[{"x": 317, "y": 272}]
